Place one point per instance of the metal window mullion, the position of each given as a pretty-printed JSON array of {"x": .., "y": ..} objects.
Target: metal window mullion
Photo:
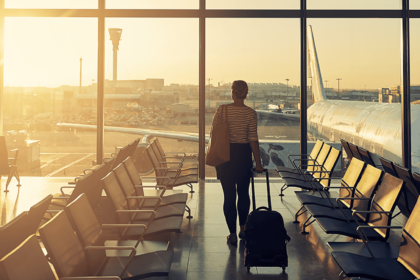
[
  {"x": 202, "y": 93},
  {"x": 405, "y": 88},
  {"x": 303, "y": 80},
  {"x": 100, "y": 84}
]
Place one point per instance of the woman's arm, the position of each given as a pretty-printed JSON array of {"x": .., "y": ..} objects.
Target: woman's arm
[{"x": 255, "y": 147}]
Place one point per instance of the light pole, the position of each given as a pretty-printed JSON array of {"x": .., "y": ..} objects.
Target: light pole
[
  {"x": 326, "y": 83},
  {"x": 338, "y": 79},
  {"x": 287, "y": 87},
  {"x": 115, "y": 34}
]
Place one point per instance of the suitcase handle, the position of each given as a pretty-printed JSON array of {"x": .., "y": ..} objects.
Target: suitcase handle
[{"x": 253, "y": 190}]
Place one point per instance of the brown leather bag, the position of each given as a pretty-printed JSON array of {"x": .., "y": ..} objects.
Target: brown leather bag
[{"x": 218, "y": 149}]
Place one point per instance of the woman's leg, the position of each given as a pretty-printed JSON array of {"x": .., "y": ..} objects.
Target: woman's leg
[
  {"x": 229, "y": 205},
  {"x": 243, "y": 198}
]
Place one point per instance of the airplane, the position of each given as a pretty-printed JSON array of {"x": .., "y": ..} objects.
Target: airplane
[{"x": 375, "y": 127}]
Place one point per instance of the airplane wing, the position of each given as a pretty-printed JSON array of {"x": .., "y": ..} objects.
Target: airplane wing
[
  {"x": 156, "y": 133},
  {"x": 294, "y": 117}
]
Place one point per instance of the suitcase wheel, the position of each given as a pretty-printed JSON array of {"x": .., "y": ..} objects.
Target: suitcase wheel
[
  {"x": 248, "y": 268},
  {"x": 284, "y": 268}
]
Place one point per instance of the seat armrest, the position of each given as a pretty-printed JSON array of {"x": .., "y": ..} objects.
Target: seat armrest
[
  {"x": 131, "y": 248},
  {"x": 363, "y": 236}
]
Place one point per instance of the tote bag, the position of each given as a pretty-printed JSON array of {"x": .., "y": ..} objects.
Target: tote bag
[{"x": 218, "y": 149}]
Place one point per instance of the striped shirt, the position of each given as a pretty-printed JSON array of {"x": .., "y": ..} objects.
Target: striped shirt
[{"x": 242, "y": 123}]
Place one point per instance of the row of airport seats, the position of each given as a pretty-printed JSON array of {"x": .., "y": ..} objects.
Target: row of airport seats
[
  {"x": 139, "y": 213},
  {"x": 362, "y": 209},
  {"x": 411, "y": 189}
]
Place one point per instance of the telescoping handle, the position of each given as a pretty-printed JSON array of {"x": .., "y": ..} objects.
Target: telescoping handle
[{"x": 253, "y": 190}]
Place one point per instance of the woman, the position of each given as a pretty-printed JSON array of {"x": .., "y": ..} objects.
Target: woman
[{"x": 235, "y": 174}]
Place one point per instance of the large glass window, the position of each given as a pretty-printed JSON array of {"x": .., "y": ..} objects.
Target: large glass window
[
  {"x": 252, "y": 4},
  {"x": 156, "y": 82},
  {"x": 52, "y": 4},
  {"x": 44, "y": 58},
  {"x": 354, "y": 4},
  {"x": 152, "y": 4},
  {"x": 359, "y": 98},
  {"x": 265, "y": 54},
  {"x": 415, "y": 94}
]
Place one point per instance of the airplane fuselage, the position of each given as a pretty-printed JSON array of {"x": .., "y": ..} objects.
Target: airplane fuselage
[{"x": 373, "y": 126}]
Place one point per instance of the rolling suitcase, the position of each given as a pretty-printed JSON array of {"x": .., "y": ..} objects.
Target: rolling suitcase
[{"x": 265, "y": 235}]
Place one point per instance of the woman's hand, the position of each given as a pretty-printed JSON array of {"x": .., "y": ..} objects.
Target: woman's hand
[{"x": 259, "y": 168}]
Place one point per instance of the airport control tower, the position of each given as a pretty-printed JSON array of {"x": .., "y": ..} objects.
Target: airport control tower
[{"x": 115, "y": 34}]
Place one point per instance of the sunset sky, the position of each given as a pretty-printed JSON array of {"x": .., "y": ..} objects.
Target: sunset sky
[{"x": 362, "y": 52}]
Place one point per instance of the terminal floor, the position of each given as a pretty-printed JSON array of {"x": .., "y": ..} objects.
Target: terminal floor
[{"x": 201, "y": 251}]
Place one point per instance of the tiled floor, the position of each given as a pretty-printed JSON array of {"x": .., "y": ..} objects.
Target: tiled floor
[{"x": 201, "y": 251}]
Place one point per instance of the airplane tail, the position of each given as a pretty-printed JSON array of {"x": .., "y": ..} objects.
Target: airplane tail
[{"x": 318, "y": 92}]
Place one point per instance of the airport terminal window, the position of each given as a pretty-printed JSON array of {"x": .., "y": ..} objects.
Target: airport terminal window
[
  {"x": 252, "y": 4},
  {"x": 359, "y": 61},
  {"x": 415, "y": 93},
  {"x": 354, "y": 4},
  {"x": 264, "y": 53},
  {"x": 156, "y": 86},
  {"x": 152, "y": 4},
  {"x": 41, "y": 88},
  {"x": 370, "y": 51},
  {"x": 52, "y": 4}
]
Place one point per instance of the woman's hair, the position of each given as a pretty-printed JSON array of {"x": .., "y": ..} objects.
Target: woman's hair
[{"x": 240, "y": 89}]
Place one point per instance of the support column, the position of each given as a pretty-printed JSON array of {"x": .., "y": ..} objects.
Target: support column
[
  {"x": 405, "y": 87},
  {"x": 1, "y": 66},
  {"x": 303, "y": 80},
  {"x": 202, "y": 93},
  {"x": 100, "y": 88}
]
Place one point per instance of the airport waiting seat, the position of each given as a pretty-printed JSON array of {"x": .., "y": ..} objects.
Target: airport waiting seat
[
  {"x": 168, "y": 196},
  {"x": 346, "y": 189},
  {"x": 312, "y": 166},
  {"x": 383, "y": 265},
  {"x": 70, "y": 258},
  {"x": 320, "y": 179},
  {"x": 410, "y": 193},
  {"x": 22, "y": 226},
  {"x": 388, "y": 166},
  {"x": 366, "y": 156},
  {"x": 124, "y": 152},
  {"x": 135, "y": 202},
  {"x": 360, "y": 199},
  {"x": 126, "y": 216},
  {"x": 355, "y": 151},
  {"x": 346, "y": 147},
  {"x": 380, "y": 214},
  {"x": 27, "y": 261},
  {"x": 174, "y": 155},
  {"x": 90, "y": 184},
  {"x": 91, "y": 232},
  {"x": 169, "y": 182},
  {"x": 8, "y": 166},
  {"x": 185, "y": 169},
  {"x": 416, "y": 177}
]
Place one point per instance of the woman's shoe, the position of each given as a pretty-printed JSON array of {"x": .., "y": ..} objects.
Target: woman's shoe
[
  {"x": 242, "y": 235},
  {"x": 232, "y": 241}
]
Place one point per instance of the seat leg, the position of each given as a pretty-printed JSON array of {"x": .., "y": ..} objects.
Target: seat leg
[
  {"x": 189, "y": 212},
  {"x": 341, "y": 276},
  {"x": 17, "y": 176},
  {"x": 282, "y": 189},
  {"x": 305, "y": 225},
  {"x": 297, "y": 214},
  {"x": 191, "y": 187}
]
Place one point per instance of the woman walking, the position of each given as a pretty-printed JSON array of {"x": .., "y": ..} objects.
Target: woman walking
[{"x": 236, "y": 173}]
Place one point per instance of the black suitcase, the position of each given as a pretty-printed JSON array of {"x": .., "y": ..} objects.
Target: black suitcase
[{"x": 265, "y": 235}]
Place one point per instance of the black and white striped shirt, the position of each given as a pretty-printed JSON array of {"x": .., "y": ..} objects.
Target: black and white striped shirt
[{"x": 242, "y": 123}]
